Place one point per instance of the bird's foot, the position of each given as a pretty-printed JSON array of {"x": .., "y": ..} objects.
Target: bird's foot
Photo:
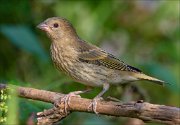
[
  {"x": 93, "y": 104},
  {"x": 66, "y": 99}
]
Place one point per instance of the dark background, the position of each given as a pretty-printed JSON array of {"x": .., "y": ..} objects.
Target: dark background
[{"x": 143, "y": 33}]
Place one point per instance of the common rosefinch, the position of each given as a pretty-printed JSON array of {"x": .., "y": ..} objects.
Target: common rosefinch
[{"x": 86, "y": 63}]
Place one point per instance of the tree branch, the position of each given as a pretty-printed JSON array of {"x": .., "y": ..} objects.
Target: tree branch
[{"x": 141, "y": 110}]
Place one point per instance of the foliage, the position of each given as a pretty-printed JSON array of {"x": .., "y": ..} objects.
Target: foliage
[
  {"x": 143, "y": 33},
  {"x": 3, "y": 107}
]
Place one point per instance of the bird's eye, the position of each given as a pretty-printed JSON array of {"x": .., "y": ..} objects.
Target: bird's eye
[{"x": 55, "y": 25}]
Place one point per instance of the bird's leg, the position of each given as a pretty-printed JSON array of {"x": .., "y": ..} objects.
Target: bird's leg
[
  {"x": 98, "y": 97},
  {"x": 66, "y": 99}
]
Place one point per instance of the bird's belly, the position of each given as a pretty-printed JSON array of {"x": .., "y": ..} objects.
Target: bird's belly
[
  {"x": 89, "y": 74},
  {"x": 84, "y": 73},
  {"x": 119, "y": 77}
]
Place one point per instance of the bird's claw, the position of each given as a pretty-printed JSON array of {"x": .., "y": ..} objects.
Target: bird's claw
[
  {"x": 93, "y": 104},
  {"x": 65, "y": 99}
]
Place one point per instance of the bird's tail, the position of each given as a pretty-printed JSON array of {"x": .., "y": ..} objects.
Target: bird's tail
[{"x": 142, "y": 76}]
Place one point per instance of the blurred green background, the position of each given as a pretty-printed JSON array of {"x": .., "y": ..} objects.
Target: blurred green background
[{"x": 142, "y": 33}]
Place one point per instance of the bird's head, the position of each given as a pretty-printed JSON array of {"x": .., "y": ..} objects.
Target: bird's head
[{"x": 57, "y": 28}]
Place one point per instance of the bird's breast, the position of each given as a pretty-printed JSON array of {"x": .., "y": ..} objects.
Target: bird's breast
[{"x": 63, "y": 58}]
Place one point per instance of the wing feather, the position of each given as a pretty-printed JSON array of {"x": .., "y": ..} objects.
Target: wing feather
[{"x": 99, "y": 57}]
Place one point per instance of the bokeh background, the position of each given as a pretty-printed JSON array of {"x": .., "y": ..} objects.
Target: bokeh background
[{"x": 142, "y": 33}]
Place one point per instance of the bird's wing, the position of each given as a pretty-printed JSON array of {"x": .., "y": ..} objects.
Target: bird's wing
[{"x": 99, "y": 57}]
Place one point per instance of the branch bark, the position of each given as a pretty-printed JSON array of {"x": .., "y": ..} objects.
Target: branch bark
[{"x": 141, "y": 110}]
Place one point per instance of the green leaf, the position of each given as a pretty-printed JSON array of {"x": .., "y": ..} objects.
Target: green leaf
[{"x": 24, "y": 38}]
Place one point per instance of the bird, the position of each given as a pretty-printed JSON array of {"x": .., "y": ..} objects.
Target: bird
[{"x": 86, "y": 63}]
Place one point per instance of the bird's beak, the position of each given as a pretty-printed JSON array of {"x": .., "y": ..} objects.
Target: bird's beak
[{"x": 43, "y": 26}]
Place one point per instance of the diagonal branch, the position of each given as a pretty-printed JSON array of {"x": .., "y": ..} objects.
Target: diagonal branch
[{"x": 141, "y": 110}]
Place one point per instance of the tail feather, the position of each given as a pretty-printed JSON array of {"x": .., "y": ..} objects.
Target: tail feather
[{"x": 142, "y": 76}]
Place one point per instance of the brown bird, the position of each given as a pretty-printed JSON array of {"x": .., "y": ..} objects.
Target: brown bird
[{"x": 86, "y": 63}]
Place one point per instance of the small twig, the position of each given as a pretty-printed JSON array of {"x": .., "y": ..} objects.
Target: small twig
[{"x": 50, "y": 116}]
